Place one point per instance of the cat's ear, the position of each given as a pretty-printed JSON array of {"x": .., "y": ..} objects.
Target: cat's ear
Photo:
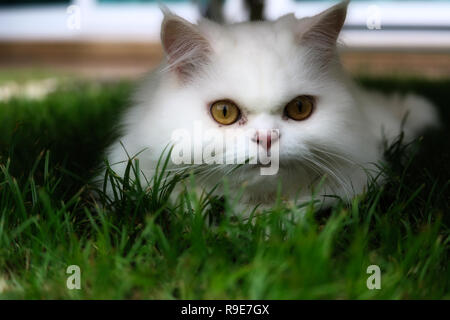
[
  {"x": 321, "y": 31},
  {"x": 287, "y": 19},
  {"x": 186, "y": 47}
]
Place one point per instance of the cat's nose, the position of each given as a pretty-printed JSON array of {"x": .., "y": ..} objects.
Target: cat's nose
[{"x": 266, "y": 138}]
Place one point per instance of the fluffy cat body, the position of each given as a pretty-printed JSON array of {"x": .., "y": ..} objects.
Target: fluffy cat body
[{"x": 261, "y": 66}]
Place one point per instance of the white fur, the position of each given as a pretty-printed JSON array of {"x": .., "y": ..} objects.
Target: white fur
[{"x": 262, "y": 66}]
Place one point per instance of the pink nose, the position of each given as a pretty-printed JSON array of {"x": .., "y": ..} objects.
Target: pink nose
[{"x": 265, "y": 138}]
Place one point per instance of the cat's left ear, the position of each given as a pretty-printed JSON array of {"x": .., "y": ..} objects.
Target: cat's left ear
[
  {"x": 321, "y": 31},
  {"x": 186, "y": 47}
]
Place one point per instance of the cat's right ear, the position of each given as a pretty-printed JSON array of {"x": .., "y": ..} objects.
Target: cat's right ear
[{"x": 186, "y": 47}]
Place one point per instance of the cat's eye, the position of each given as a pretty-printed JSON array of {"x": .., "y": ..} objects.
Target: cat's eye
[
  {"x": 300, "y": 108},
  {"x": 225, "y": 112}
]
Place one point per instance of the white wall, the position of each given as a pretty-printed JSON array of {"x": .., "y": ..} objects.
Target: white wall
[{"x": 141, "y": 22}]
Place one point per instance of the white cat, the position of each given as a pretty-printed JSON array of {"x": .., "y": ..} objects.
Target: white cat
[{"x": 258, "y": 76}]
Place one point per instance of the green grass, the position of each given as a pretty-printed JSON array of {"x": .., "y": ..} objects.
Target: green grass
[
  {"x": 24, "y": 75},
  {"x": 140, "y": 245}
]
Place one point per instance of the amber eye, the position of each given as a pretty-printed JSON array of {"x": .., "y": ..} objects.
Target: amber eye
[
  {"x": 225, "y": 112},
  {"x": 300, "y": 108}
]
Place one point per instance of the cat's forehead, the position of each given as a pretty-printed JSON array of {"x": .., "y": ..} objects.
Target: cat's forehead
[
  {"x": 256, "y": 35},
  {"x": 259, "y": 65}
]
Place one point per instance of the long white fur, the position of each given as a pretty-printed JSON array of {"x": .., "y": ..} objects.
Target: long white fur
[{"x": 262, "y": 66}]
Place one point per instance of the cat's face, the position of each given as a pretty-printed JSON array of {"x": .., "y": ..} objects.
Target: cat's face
[{"x": 248, "y": 79}]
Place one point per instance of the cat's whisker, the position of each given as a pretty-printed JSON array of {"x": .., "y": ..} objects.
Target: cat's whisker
[
  {"x": 311, "y": 165},
  {"x": 336, "y": 174},
  {"x": 320, "y": 170},
  {"x": 332, "y": 172},
  {"x": 333, "y": 154}
]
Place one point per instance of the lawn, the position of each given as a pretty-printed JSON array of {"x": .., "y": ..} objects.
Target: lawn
[{"x": 140, "y": 245}]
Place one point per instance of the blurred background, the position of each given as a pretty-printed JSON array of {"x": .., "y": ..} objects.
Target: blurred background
[{"x": 115, "y": 39}]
